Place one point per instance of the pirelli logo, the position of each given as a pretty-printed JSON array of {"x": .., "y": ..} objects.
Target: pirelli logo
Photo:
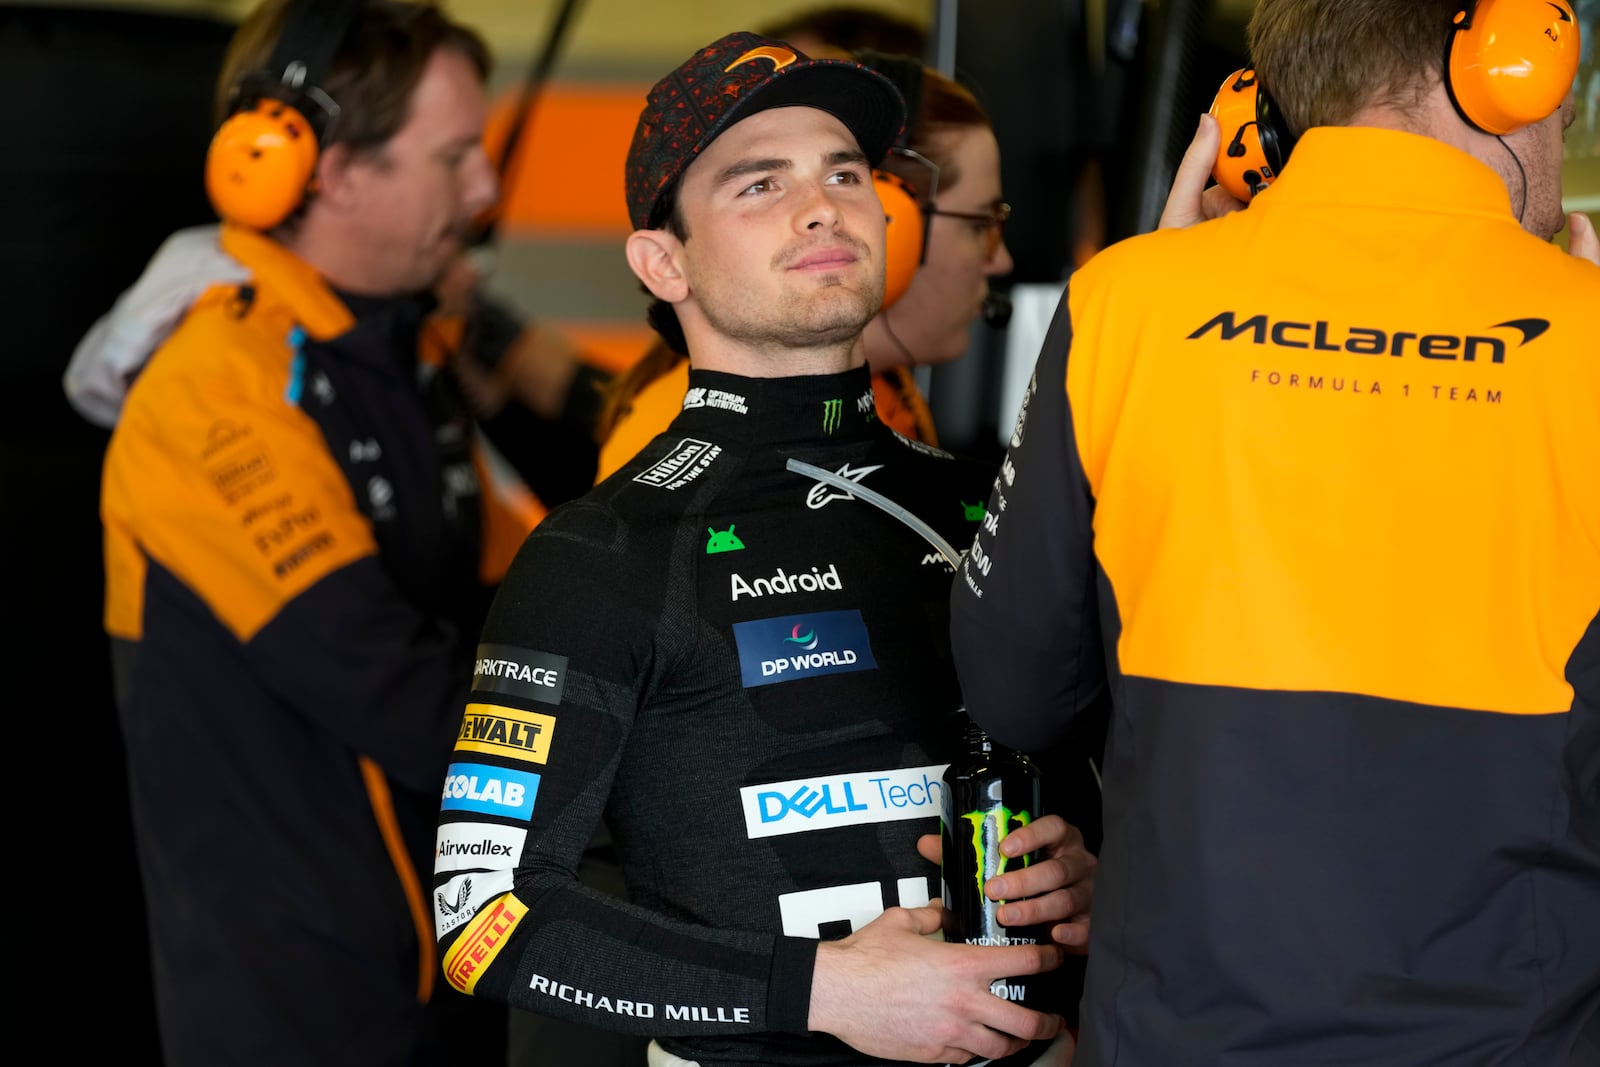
[
  {"x": 481, "y": 942},
  {"x": 503, "y": 731}
]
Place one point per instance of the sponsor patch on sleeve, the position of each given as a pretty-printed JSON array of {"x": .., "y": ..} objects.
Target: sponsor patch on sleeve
[
  {"x": 460, "y": 898},
  {"x": 520, "y": 672},
  {"x": 482, "y": 941},
  {"x": 503, "y": 731},
  {"x": 791, "y": 647},
  {"x": 477, "y": 846},
  {"x": 485, "y": 790}
]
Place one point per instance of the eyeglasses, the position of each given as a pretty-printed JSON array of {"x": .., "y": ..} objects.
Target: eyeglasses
[{"x": 991, "y": 223}]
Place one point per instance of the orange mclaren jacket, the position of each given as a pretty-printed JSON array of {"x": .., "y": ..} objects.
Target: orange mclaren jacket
[
  {"x": 1315, "y": 490},
  {"x": 298, "y": 527}
]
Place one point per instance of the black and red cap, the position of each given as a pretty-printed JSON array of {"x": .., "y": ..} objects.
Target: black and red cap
[{"x": 738, "y": 76}]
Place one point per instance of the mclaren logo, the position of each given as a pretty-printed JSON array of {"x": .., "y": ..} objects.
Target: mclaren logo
[
  {"x": 1324, "y": 336},
  {"x": 780, "y": 57}
]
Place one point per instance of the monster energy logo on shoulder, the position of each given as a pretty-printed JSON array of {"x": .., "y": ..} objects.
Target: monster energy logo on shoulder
[
  {"x": 831, "y": 410},
  {"x": 989, "y": 828}
]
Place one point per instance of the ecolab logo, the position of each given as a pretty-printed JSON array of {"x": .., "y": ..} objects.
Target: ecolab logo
[
  {"x": 805, "y": 804},
  {"x": 783, "y": 582},
  {"x": 487, "y": 790},
  {"x": 1323, "y": 336}
]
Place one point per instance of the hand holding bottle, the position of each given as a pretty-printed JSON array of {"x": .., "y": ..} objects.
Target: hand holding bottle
[{"x": 1057, "y": 889}]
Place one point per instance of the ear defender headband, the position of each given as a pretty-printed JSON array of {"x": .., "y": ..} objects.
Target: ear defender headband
[
  {"x": 1255, "y": 141},
  {"x": 906, "y": 240},
  {"x": 263, "y": 158},
  {"x": 1509, "y": 63}
]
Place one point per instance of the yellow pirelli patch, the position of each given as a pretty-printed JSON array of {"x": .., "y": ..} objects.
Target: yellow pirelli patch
[
  {"x": 502, "y": 731},
  {"x": 481, "y": 941}
]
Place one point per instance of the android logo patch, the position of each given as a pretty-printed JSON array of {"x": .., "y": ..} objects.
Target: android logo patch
[
  {"x": 723, "y": 541},
  {"x": 973, "y": 512}
]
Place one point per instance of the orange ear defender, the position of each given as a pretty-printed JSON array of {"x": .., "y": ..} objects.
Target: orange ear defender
[
  {"x": 1509, "y": 63},
  {"x": 263, "y": 158},
  {"x": 904, "y": 211},
  {"x": 260, "y": 164},
  {"x": 1255, "y": 142},
  {"x": 904, "y": 238}
]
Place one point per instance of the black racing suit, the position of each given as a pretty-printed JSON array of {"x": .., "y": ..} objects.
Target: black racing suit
[{"x": 746, "y": 671}]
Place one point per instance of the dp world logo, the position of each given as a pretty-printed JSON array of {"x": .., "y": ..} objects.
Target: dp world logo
[
  {"x": 791, "y": 647},
  {"x": 806, "y": 641}
]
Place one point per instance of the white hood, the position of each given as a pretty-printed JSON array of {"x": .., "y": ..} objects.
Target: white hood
[{"x": 111, "y": 354}]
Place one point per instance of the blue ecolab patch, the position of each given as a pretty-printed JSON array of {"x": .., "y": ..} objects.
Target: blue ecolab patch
[
  {"x": 791, "y": 647},
  {"x": 478, "y": 787}
]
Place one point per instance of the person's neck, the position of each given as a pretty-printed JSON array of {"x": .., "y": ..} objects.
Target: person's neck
[
  {"x": 1436, "y": 117},
  {"x": 342, "y": 263},
  {"x": 717, "y": 353},
  {"x": 883, "y": 348}
]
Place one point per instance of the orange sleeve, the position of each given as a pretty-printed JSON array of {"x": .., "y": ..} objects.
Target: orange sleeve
[{"x": 217, "y": 475}]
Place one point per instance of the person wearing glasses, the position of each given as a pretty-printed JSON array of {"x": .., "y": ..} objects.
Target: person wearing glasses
[{"x": 950, "y": 159}]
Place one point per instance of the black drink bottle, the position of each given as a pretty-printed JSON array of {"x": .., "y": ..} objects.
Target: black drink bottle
[{"x": 989, "y": 790}]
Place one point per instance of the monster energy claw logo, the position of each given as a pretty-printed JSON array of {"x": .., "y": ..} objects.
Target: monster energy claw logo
[
  {"x": 831, "y": 409},
  {"x": 989, "y": 828}
]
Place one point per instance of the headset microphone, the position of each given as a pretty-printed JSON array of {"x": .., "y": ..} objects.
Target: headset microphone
[
  {"x": 997, "y": 309},
  {"x": 1254, "y": 152}
]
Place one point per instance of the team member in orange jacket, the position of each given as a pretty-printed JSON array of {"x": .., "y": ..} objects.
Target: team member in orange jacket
[
  {"x": 296, "y": 509},
  {"x": 1320, "y": 478},
  {"x": 949, "y": 162}
]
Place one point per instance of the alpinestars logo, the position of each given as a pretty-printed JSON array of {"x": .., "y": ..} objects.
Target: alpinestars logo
[
  {"x": 823, "y": 494},
  {"x": 1324, "y": 336}
]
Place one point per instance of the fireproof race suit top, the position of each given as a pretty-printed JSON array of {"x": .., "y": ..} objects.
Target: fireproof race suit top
[
  {"x": 1323, "y": 478},
  {"x": 900, "y": 405},
  {"x": 294, "y": 526},
  {"x": 746, "y": 671}
]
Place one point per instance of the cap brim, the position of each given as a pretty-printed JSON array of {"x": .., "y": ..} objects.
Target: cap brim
[{"x": 866, "y": 102}]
